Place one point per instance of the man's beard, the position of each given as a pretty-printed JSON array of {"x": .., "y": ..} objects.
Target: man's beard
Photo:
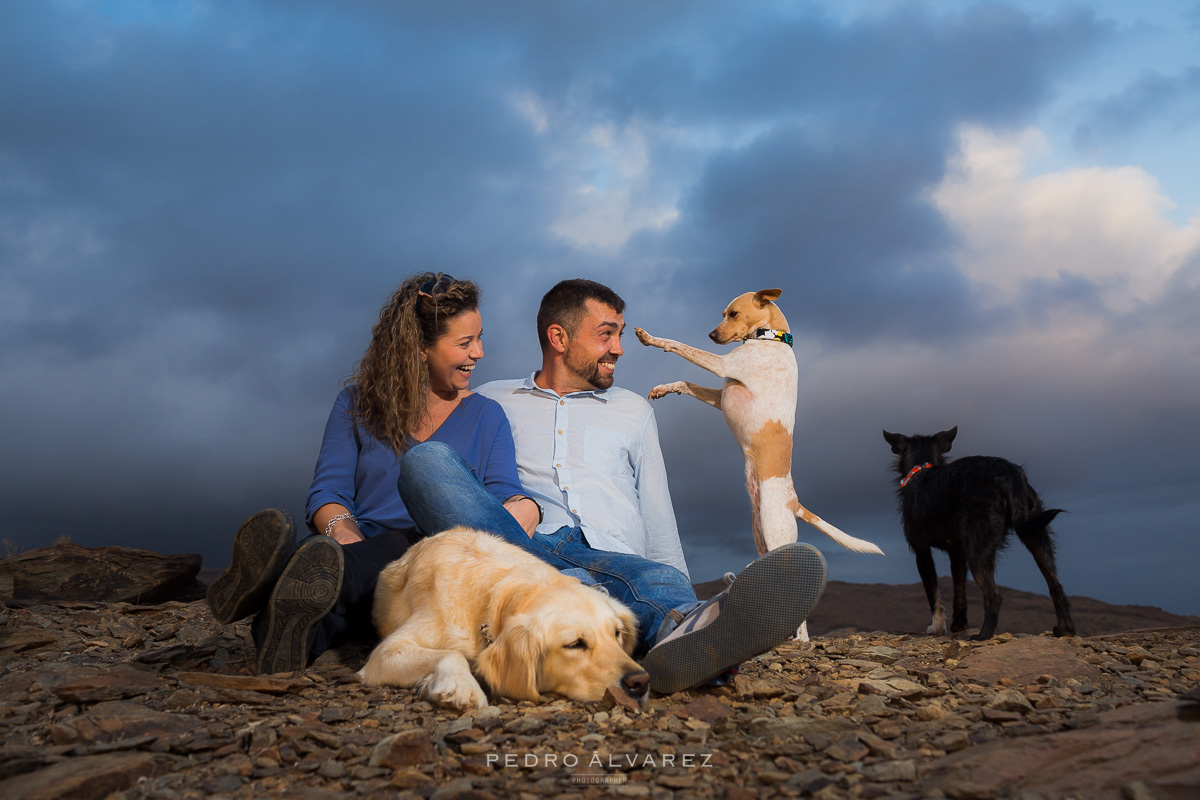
[{"x": 590, "y": 371}]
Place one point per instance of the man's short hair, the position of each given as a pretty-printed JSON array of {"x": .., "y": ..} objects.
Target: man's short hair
[{"x": 566, "y": 303}]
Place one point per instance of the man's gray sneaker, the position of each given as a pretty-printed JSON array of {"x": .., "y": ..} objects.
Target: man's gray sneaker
[{"x": 760, "y": 609}]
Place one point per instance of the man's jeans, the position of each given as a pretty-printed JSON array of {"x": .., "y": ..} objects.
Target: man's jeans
[{"x": 441, "y": 491}]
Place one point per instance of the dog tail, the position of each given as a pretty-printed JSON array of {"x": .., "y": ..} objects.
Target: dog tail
[
  {"x": 841, "y": 537},
  {"x": 1037, "y": 526},
  {"x": 1046, "y": 517}
]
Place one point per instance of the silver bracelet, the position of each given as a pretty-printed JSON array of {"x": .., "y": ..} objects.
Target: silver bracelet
[{"x": 338, "y": 518}]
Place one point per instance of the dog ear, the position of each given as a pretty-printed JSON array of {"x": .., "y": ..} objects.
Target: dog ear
[
  {"x": 764, "y": 296},
  {"x": 945, "y": 439},
  {"x": 629, "y": 627},
  {"x": 897, "y": 442},
  {"x": 510, "y": 664}
]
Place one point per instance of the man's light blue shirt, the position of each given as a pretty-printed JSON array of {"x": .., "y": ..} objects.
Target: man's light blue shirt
[{"x": 592, "y": 459}]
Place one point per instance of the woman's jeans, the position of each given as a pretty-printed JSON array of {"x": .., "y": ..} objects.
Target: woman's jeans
[{"x": 441, "y": 491}]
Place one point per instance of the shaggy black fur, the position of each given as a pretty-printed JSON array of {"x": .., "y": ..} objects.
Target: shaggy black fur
[{"x": 966, "y": 507}]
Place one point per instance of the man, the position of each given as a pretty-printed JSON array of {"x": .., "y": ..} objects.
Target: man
[{"x": 588, "y": 453}]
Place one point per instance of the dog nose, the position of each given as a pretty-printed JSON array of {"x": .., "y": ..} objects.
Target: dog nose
[
  {"x": 636, "y": 684},
  {"x": 713, "y": 335}
]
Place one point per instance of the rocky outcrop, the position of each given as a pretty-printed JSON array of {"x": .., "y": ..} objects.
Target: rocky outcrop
[
  {"x": 158, "y": 701},
  {"x": 68, "y": 571}
]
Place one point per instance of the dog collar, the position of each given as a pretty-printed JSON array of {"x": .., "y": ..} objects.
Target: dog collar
[
  {"x": 904, "y": 481},
  {"x": 772, "y": 335},
  {"x": 486, "y": 633}
]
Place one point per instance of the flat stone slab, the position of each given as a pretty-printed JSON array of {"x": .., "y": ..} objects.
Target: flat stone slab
[
  {"x": 85, "y": 778},
  {"x": 92, "y": 684},
  {"x": 1024, "y": 660},
  {"x": 1151, "y": 746},
  {"x": 120, "y": 720}
]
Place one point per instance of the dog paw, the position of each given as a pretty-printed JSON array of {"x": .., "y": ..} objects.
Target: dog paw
[
  {"x": 937, "y": 630},
  {"x": 372, "y": 674},
  {"x": 664, "y": 390},
  {"x": 459, "y": 694},
  {"x": 645, "y": 338}
]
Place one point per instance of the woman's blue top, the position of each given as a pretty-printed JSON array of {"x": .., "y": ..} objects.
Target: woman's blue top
[{"x": 361, "y": 473}]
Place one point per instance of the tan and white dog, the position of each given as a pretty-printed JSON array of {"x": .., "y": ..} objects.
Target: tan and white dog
[
  {"x": 758, "y": 400},
  {"x": 464, "y": 603}
]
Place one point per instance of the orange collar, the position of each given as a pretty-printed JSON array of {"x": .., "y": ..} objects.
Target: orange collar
[{"x": 914, "y": 471}]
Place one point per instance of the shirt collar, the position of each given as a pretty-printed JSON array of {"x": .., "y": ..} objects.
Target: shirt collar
[{"x": 531, "y": 387}]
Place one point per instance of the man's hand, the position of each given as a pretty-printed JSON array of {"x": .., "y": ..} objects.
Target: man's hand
[{"x": 525, "y": 511}]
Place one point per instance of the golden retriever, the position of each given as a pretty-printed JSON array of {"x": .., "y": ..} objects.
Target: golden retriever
[{"x": 465, "y": 603}]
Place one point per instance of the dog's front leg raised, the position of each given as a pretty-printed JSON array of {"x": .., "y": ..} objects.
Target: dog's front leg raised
[
  {"x": 442, "y": 675},
  {"x": 705, "y": 360},
  {"x": 702, "y": 393},
  {"x": 928, "y": 572}
]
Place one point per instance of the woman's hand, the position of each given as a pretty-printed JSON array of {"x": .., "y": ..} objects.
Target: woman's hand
[
  {"x": 344, "y": 529},
  {"x": 525, "y": 511}
]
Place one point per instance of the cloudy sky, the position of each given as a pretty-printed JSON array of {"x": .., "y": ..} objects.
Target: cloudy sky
[{"x": 980, "y": 214}]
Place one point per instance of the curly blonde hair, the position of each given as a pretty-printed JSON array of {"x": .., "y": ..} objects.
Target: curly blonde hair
[{"x": 391, "y": 394}]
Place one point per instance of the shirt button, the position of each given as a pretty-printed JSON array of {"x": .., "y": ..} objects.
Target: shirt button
[
  {"x": 560, "y": 431},
  {"x": 562, "y": 402},
  {"x": 575, "y": 512}
]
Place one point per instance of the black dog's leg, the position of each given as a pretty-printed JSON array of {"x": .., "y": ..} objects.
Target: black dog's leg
[
  {"x": 1062, "y": 606},
  {"x": 984, "y": 570},
  {"x": 928, "y": 572},
  {"x": 1037, "y": 537},
  {"x": 958, "y": 574}
]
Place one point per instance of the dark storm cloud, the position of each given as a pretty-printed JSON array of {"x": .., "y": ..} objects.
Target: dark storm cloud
[
  {"x": 221, "y": 206},
  {"x": 241, "y": 172},
  {"x": 705, "y": 61},
  {"x": 829, "y": 200},
  {"x": 844, "y": 228},
  {"x": 1153, "y": 100}
]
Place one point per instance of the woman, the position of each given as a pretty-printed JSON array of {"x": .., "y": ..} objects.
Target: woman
[{"x": 411, "y": 386}]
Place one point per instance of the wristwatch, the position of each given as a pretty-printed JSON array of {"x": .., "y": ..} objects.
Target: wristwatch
[{"x": 541, "y": 511}]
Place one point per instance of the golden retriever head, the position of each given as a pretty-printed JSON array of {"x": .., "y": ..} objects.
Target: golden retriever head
[
  {"x": 570, "y": 640},
  {"x": 746, "y": 314}
]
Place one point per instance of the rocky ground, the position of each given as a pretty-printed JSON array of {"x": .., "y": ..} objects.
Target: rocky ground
[{"x": 158, "y": 701}]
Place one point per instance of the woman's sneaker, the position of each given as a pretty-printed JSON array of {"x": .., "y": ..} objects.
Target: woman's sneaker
[
  {"x": 261, "y": 547},
  {"x": 305, "y": 592},
  {"x": 760, "y": 609}
]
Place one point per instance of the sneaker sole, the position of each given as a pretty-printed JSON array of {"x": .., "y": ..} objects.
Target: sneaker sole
[
  {"x": 304, "y": 593},
  {"x": 261, "y": 548},
  {"x": 764, "y": 607}
]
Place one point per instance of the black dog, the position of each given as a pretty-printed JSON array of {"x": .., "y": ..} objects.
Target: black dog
[{"x": 966, "y": 508}]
